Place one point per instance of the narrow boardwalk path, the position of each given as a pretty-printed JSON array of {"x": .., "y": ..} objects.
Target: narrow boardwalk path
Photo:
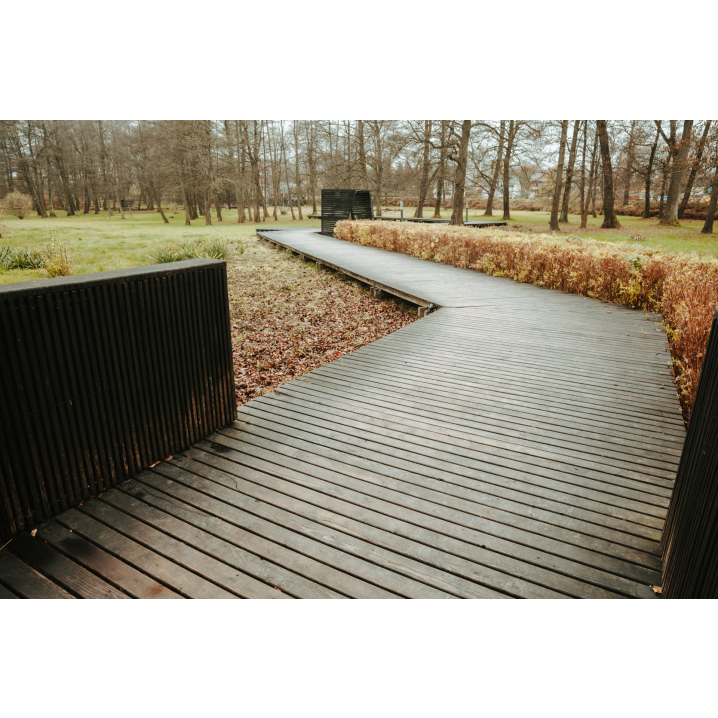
[{"x": 519, "y": 442}]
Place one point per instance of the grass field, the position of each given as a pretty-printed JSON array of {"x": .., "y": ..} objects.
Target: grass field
[{"x": 97, "y": 243}]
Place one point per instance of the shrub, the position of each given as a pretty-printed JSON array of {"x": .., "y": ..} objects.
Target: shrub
[
  {"x": 212, "y": 248},
  {"x": 681, "y": 287},
  {"x": 17, "y": 203},
  {"x": 21, "y": 258},
  {"x": 57, "y": 260}
]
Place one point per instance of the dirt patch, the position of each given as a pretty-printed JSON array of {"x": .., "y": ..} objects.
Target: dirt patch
[{"x": 288, "y": 318}]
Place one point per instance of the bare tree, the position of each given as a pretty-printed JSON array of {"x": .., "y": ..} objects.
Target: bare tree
[
  {"x": 553, "y": 224},
  {"x": 610, "y": 221},
  {"x": 695, "y": 165},
  {"x": 569, "y": 171},
  {"x": 679, "y": 149},
  {"x": 461, "y": 158}
]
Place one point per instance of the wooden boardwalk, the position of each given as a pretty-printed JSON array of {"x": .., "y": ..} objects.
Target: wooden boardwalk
[{"x": 519, "y": 442}]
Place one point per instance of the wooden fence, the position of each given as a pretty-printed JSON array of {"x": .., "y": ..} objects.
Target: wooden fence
[
  {"x": 104, "y": 374},
  {"x": 690, "y": 536}
]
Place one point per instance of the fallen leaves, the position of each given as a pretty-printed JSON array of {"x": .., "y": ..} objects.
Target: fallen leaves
[{"x": 288, "y": 318}]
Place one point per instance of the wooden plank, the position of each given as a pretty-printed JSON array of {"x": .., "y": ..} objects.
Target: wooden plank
[
  {"x": 591, "y": 442},
  {"x": 211, "y": 569},
  {"x": 484, "y": 418},
  {"x": 24, "y": 581},
  {"x": 412, "y": 503},
  {"x": 176, "y": 577},
  {"x": 492, "y": 552},
  {"x": 5, "y": 594},
  {"x": 114, "y": 571},
  {"x": 272, "y": 498},
  {"x": 536, "y": 499},
  {"x": 460, "y": 408},
  {"x": 516, "y": 486},
  {"x": 142, "y": 503},
  {"x": 619, "y": 472},
  {"x": 467, "y": 367},
  {"x": 622, "y": 503},
  {"x": 571, "y": 530},
  {"x": 434, "y": 501},
  {"x": 231, "y": 524},
  {"x": 540, "y": 396},
  {"x": 63, "y": 571}
]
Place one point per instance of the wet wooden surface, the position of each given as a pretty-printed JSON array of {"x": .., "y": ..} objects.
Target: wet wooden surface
[{"x": 519, "y": 442}]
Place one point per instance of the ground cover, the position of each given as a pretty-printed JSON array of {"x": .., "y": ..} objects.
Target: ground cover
[
  {"x": 686, "y": 238},
  {"x": 289, "y": 318}
]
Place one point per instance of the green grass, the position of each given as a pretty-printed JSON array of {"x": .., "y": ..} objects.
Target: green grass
[
  {"x": 686, "y": 238},
  {"x": 97, "y": 243}
]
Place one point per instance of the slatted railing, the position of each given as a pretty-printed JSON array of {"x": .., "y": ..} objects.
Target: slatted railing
[
  {"x": 104, "y": 374},
  {"x": 339, "y": 204},
  {"x": 690, "y": 536}
]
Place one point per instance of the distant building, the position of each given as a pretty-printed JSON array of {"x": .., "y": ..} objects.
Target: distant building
[{"x": 537, "y": 184}]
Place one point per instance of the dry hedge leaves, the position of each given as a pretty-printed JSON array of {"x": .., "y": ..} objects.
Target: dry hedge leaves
[
  {"x": 681, "y": 287},
  {"x": 288, "y": 318}
]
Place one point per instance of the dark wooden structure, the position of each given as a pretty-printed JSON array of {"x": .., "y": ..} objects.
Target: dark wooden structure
[
  {"x": 690, "y": 539},
  {"x": 102, "y": 375},
  {"x": 339, "y": 204},
  {"x": 518, "y": 443}
]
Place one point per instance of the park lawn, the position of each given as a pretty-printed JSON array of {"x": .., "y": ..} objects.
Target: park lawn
[
  {"x": 686, "y": 238},
  {"x": 97, "y": 243}
]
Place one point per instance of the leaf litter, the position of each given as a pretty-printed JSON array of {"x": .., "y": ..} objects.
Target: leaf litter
[{"x": 288, "y": 318}]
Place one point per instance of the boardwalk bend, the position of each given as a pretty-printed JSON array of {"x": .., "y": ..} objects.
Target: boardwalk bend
[{"x": 518, "y": 442}]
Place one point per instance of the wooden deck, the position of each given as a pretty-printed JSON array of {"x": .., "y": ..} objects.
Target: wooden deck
[{"x": 519, "y": 442}]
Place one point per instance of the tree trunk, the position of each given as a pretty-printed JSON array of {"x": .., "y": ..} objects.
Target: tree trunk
[
  {"x": 591, "y": 198},
  {"x": 694, "y": 170},
  {"x": 553, "y": 224},
  {"x": 569, "y": 171},
  {"x": 497, "y": 171},
  {"x": 662, "y": 203},
  {"x": 460, "y": 181},
  {"x": 507, "y": 168},
  {"x": 119, "y": 201},
  {"x": 710, "y": 215},
  {"x": 628, "y": 176},
  {"x": 187, "y": 205},
  {"x": 297, "y": 175},
  {"x": 362, "y": 155},
  {"x": 610, "y": 221},
  {"x": 585, "y": 196},
  {"x": 649, "y": 175},
  {"x": 670, "y": 214},
  {"x": 286, "y": 175},
  {"x": 50, "y": 199},
  {"x": 240, "y": 175},
  {"x": 159, "y": 207},
  {"x": 425, "y": 164},
  {"x": 207, "y": 208},
  {"x": 311, "y": 161},
  {"x": 441, "y": 171}
]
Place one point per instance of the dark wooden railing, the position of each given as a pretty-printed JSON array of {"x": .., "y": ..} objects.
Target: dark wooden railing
[
  {"x": 690, "y": 536},
  {"x": 339, "y": 204},
  {"x": 102, "y": 375}
]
